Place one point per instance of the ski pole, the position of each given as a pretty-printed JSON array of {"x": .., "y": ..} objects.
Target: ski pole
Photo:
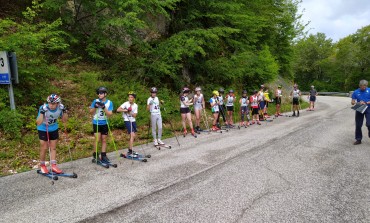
[
  {"x": 69, "y": 146},
  {"x": 47, "y": 136},
  {"x": 96, "y": 137},
  {"x": 111, "y": 135},
  {"x": 174, "y": 132},
  {"x": 147, "y": 140}
]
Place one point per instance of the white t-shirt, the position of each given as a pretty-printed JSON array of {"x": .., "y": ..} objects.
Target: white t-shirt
[
  {"x": 128, "y": 116},
  {"x": 198, "y": 99},
  {"x": 221, "y": 100},
  {"x": 183, "y": 101},
  {"x": 244, "y": 102},
  {"x": 230, "y": 100},
  {"x": 154, "y": 105}
]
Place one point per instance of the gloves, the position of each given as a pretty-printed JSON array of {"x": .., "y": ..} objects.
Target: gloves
[
  {"x": 102, "y": 105},
  {"x": 99, "y": 104},
  {"x": 129, "y": 109},
  {"x": 44, "y": 109},
  {"x": 62, "y": 107}
]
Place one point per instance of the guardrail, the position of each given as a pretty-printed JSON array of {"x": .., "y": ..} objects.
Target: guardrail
[{"x": 343, "y": 94}]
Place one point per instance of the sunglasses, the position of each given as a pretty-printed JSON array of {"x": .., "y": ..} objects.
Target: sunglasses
[{"x": 101, "y": 92}]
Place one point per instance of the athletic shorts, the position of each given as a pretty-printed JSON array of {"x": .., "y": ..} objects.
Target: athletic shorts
[
  {"x": 262, "y": 104},
  {"x": 230, "y": 108},
  {"x": 184, "y": 110},
  {"x": 54, "y": 135},
  {"x": 103, "y": 129},
  {"x": 128, "y": 127},
  {"x": 254, "y": 111},
  {"x": 278, "y": 101},
  {"x": 313, "y": 98},
  {"x": 295, "y": 101}
]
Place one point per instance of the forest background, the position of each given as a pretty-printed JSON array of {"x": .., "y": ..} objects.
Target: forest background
[{"x": 72, "y": 47}]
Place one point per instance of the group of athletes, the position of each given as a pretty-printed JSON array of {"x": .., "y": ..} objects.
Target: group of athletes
[{"x": 222, "y": 105}]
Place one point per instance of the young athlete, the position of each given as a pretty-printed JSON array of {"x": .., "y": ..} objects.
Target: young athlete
[
  {"x": 47, "y": 127},
  {"x": 129, "y": 111},
  {"x": 199, "y": 105},
  {"x": 215, "y": 103},
  {"x": 278, "y": 95},
  {"x": 155, "y": 116},
  {"x": 254, "y": 105},
  {"x": 101, "y": 108},
  {"x": 244, "y": 110},
  {"x": 296, "y": 94},
  {"x": 261, "y": 102},
  {"x": 312, "y": 97},
  {"x": 230, "y": 98},
  {"x": 267, "y": 101},
  {"x": 185, "y": 110},
  {"x": 222, "y": 107}
]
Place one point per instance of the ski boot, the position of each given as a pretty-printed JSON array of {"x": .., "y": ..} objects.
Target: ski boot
[
  {"x": 55, "y": 169},
  {"x": 193, "y": 133},
  {"x": 185, "y": 132},
  {"x": 298, "y": 113},
  {"x": 105, "y": 159},
  {"x": 293, "y": 114},
  {"x": 160, "y": 142},
  {"x": 155, "y": 142}
]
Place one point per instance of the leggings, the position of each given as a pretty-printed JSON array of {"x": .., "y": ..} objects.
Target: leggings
[
  {"x": 244, "y": 111},
  {"x": 156, "y": 119}
]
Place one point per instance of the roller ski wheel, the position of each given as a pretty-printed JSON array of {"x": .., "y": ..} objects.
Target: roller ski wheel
[
  {"x": 49, "y": 175},
  {"x": 163, "y": 146},
  {"x": 144, "y": 160},
  {"x": 100, "y": 163}
]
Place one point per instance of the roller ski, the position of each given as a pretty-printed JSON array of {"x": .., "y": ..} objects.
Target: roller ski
[
  {"x": 99, "y": 162},
  {"x": 216, "y": 129},
  {"x": 48, "y": 174},
  {"x": 135, "y": 156},
  {"x": 104, "y": 160},
  {"x": 243, "y": 125},
  {"x": 159, "y": 144},
  {"x": 192, "y": 133},
  {"x": 56, "y": 172}
]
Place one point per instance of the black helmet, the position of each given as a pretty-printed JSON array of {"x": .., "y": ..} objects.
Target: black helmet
[
  {"x": 244, "y": 92},
  {"x": 153, "y": 90},
  {"x": 101, "y": 89},
  {"x": 255, "y": 92},
  {"x": 221, "y": 90}
]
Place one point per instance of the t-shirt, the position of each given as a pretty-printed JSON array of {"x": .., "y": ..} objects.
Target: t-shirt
[
  {"x": 215, "y": 106},
  {"x": 267, "y": 96},
  {"x": 296, "y": 93},
  {"x": 278, "y": 93},
  {"x": 313, "y": 92},
  {"x": 100, "y": 118},
  {"x": 127, "y": 116},
  {"x": 183, "y": 101},
  {"x": 154, "y": 105},
  {"x": 221, "y": 99},
  {"x": 51, "y": 117},
  {"x": 359, "y": 95}
]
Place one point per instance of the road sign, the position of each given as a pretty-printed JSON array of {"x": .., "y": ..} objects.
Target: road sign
[{"x": 4, "y": 68}]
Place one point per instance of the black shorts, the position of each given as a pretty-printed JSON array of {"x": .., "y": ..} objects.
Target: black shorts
[
  {"x": 313, "y": 98},
  {"x": 54, "y": 135},
  {"x": 254, "y": 111},
  {"x": 184, "y": 110},
  {"x": 278, "y": 101},
  {"x": 103, "y": 129},
  {"x": 295, "y": 101},
  {"x": 230, "y": 108}
]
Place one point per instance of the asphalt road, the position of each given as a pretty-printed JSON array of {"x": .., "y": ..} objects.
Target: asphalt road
[{"x": 290, "y": 170}]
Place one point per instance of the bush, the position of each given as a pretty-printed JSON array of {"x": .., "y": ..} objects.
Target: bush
[{"x": 11, "y": 124}]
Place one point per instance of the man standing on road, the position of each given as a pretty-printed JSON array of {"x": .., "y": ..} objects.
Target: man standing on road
[
  {"x": 296, "y": 94},
  {"x": 312, "y": 98},
  {"x": 361, "y": 96}
]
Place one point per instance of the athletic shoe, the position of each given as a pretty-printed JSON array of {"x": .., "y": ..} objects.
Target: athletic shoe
[
  {"x": 105, "y": 159},
  {"x": 267, "y": 116},
  {"x": 155, "y": 142},
  {"x": 253, "y": 123},
  {"x": 55, "y": 169},
  {"x": 357, "y": 142},
  {"x": 248, "y": 123},
  {"x": 293, "y": 114},
  {"x": 214, "y": 128},
  {"x": 192, "y": 132},
  {"x": 44, "y": 169},
  {"x": 132, "y": 154},
  {"x": 160, "y": 142},
  {"x": 259, "y": 123},
  {"x": 280, "y": 114}
]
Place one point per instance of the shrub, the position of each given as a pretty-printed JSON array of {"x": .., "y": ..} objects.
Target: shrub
[{"x": 11, "y": 124}]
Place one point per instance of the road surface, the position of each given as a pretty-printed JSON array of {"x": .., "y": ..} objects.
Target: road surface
[{"x": 290, "y": 170}]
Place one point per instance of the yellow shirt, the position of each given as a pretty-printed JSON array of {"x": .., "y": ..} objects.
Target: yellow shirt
[{"x": 266, "y": 94}]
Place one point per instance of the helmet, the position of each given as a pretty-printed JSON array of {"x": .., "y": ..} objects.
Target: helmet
[
  {"x": 312, "y": 86},
  {"x": 262, "y": 86},
  {"x": 131, "y": 93},
  {"x": 53, "y": 98},
  {"x": 198, "y": 89},
  {"x": 255, "y": 92},
  {"x": 101, "y": 89},
  {"x": 231, "y": 91},
  {"x": 244, "y": 92},
  {"x": 185, "y": 90},
  {"x": 153, "y": 90},
  {"x": 215, "y": 93},
  {"x": 221, "y": 90}
]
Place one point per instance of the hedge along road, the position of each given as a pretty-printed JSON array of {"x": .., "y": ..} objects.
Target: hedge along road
[{"x": 289, "y": 170}]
